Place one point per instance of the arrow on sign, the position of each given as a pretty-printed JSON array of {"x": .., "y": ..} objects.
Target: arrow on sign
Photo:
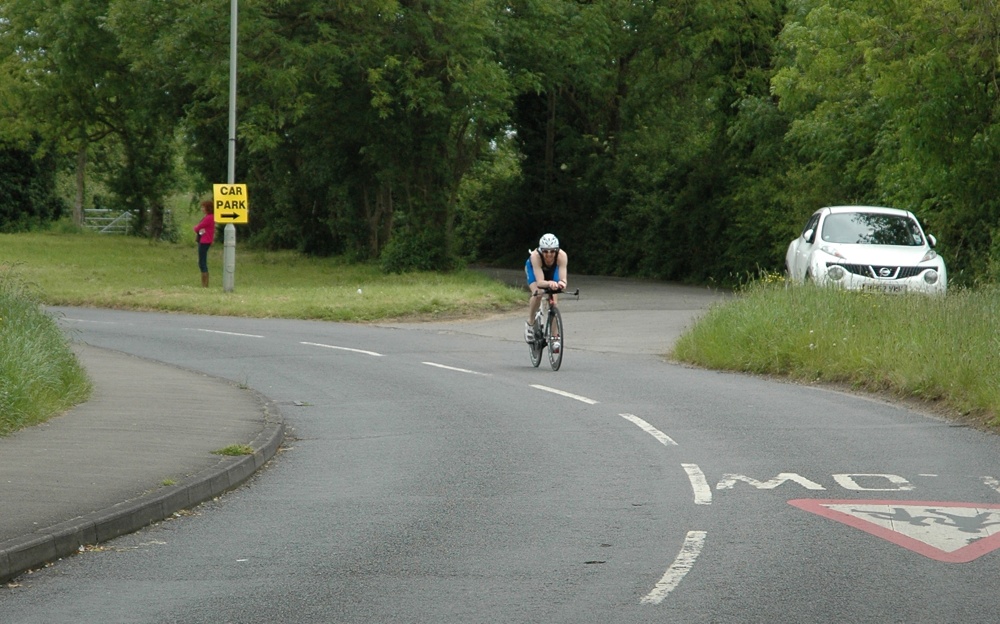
[
  {"x": 230, "y": 216},
  {"x": 948, "y": 532}
]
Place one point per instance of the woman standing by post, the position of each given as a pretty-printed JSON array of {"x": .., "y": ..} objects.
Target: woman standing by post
[{"x": 205, "y": 235}]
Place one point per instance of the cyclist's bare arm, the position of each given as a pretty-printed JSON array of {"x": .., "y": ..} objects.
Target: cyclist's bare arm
[{"x": 563, "y": 260}]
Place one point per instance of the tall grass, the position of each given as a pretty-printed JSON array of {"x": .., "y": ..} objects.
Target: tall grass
[
  {"x": 937, "y": 349},
  {"x": 39, "y": 374}
]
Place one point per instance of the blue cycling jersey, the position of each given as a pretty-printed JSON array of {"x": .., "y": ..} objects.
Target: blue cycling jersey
[{"x": 549, "y": 273}]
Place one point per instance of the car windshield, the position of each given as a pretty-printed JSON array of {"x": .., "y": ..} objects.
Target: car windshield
[{"x": 869, "y": 228}]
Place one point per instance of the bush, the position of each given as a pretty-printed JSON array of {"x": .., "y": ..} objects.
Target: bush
[
  {"x": 27, "y": 197},
  {"x": 408, "y": 251}
]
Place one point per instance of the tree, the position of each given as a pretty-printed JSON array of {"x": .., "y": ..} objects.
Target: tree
[
  {"x": 625, "y": 125},
  {"x": 59, "y": 59},
  {"x": 357, "y": 121}
]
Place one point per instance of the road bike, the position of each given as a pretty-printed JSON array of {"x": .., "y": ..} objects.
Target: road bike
[{"x": 549, "y": 329}]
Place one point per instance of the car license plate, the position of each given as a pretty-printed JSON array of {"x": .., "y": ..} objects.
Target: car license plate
[{"x": 886, "y": 288}]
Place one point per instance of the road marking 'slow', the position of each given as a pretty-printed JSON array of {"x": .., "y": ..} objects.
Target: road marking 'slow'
[
  {"x": 678, "y": 569},
  {"x": 215, "y": 331},
  {"x": 664, "y": 439},
  {"x": 326, "y": 346},
  {"x": 582, "y": 399},
  {"x": 702, "y": 491},
  {"x": 459, "y": 370}
]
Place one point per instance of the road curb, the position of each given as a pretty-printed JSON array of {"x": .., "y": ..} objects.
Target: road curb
[{"x": 21, "y": 554}]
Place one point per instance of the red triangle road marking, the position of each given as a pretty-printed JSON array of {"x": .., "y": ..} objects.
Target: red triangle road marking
[{"x": 948, "y": 532}]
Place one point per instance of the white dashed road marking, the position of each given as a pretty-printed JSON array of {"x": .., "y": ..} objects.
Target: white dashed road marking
[
  {"x": 577, "y": 397},
  {"x": 215, "y": 331},
  {"x": 702, "y": 491},
  {"x": 452, "y": 368},
  {"x": 678, "y": 569},
  {"x": 326, "y": 346},
  {"x": 664, "y": 439}
]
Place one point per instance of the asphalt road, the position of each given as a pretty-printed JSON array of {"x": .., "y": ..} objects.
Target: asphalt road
[{"x": 434, "y": 476}]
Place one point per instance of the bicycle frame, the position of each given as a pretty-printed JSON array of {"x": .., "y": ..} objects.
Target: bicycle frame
[{"x": 549, "y": 329}]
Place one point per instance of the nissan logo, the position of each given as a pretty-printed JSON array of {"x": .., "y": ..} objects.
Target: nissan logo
[{"x": 884, "y": 272}]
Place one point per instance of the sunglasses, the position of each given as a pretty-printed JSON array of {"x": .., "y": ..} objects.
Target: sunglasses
[{"x": 548, "y": 251}]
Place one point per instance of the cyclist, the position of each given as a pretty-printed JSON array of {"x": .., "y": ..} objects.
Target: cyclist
[{"x": 545, "y": 268}]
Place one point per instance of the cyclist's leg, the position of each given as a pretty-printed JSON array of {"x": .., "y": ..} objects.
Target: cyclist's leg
[
  {"x": 555, "y": 278},
  {"x": 533, "y": 329},
  {"x": 534, "y": 303}
]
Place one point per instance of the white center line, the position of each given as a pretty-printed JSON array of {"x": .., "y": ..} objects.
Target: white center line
[
  {"x": 326, "y": 346},
  {"x": 452, "y": 368},
  {"x": 76, "y": 320},
  {"x": 215, "y": 331},
  {"x": 664, "y": 439},
  {"x": 702, "y": 492},
  {"x": 678, "y": 569},
  {"x": 565, "y": 394}
]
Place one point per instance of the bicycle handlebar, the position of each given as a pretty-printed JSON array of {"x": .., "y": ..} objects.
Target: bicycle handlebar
[{"x": 556, "y": 291}]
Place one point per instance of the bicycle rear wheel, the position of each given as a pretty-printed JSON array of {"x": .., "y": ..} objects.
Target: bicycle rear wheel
[{"x": 554, "y": 338}]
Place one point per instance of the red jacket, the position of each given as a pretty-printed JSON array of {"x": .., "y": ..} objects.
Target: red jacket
[{"x": 208, "y": 223}]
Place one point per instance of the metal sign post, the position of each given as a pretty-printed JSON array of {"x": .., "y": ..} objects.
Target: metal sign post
[
  {"x": 231, "y": 206},
  {"x": 229, "y": 240}
]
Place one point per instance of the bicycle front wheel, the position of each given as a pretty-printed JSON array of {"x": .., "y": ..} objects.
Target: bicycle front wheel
[
  {"x": 554, "y": 338},
  {"x": 535, "y": 348},
  {"x": 535, "y": 352}
]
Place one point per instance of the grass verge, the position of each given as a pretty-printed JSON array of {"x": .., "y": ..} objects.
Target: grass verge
[
  {"x": 129, "y": 273},
  {"x": 942, "y": 351}
]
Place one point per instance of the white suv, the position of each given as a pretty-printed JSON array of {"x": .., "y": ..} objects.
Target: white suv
[{"x": 867, "y": 248}]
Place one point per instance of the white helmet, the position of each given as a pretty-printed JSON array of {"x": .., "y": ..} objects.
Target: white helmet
[{"x": 548, "y": 241}]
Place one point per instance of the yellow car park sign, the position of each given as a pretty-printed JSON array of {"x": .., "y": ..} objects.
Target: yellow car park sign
[{"x": 232, "y": 204}]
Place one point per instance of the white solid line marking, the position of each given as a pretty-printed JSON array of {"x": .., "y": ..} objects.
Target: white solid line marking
[
  {"x": 702, "y": 492},
  {"x": 452, "y": 368},
  {"x": 565, "y": 394},
  {"x": 678, "y": 569},
  {"x": 215, "y": 331},
  {"x": 326, "y": 346},
  {"x": 664, "y": 439},
  {"x": 76, "y": 320}
]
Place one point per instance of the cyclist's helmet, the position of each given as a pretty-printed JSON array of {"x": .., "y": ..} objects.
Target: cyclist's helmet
[{"x": 548, "y": 241}]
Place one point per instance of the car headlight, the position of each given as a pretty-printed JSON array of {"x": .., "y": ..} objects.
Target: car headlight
[
  {"x": 931, "y": 277},
  {"x": 832, "y": 251},
  {"x": 930, "y": 255},
  {"x": 835, "y": 272}
]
